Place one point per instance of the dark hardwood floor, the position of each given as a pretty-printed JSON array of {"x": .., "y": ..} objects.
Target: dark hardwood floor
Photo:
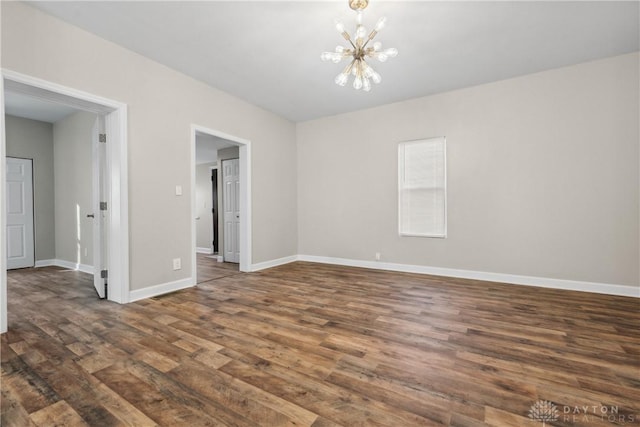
[{"x": 315, "y": 345}]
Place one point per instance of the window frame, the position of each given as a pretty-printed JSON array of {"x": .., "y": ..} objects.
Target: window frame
[{"x": 401, "y": 187}]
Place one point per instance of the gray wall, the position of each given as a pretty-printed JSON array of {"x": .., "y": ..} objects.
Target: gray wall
[
  {"x": 204, "y": 193},
  {"x": 162, "y": 106},
  {"x": 542, "y": 177},
  {"x": 73, "y": 162},
  {"x": 32, "y": 139}
]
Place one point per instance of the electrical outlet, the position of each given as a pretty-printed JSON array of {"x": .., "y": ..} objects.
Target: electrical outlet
[
  {"x": 378, "y": 255},
  {"x": 177, "y": 263},
  {"x": 178, "y": 190}
]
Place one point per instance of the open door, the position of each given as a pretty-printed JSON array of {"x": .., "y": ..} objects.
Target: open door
[{"x": 99, "y": 215}]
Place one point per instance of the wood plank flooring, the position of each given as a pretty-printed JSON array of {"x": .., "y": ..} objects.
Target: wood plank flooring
[
  {"x": 209, "y": 269},
  {"x": 316, "y": 345}
]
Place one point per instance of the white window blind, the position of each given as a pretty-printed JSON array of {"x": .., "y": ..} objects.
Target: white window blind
[{"x": 422, "y": 188}]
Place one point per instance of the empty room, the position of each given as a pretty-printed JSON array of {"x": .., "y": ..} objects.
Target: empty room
[{"x": 320, "y": 213}]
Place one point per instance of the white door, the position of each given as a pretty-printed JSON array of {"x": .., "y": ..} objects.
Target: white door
[
  {"x": 99, "y": 213},
  {"x": 20, "y": 242},
  {"x": 231, "y": 202}
]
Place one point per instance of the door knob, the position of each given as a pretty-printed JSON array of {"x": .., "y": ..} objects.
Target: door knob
[{"x": 91, "y": 216}]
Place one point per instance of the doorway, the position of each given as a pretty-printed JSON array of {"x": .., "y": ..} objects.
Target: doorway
[
  {"x": 115, "y": 200},
  {"x": 214, "y": 211},
  {"x": 229, "y": 147}
]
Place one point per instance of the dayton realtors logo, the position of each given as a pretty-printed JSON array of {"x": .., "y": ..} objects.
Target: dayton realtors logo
[{"x": 544, "y": 411}]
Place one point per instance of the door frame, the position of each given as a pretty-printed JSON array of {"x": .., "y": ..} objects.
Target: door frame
[
  {"x": 245, "y": 196},
  {"x": 118, "y": 199}
]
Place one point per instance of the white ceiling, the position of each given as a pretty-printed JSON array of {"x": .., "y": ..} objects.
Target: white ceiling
[
  {"x": 19, "y": 105},
  {"x": 268, "y": 52},
  {"x": 207, "y": 147}
]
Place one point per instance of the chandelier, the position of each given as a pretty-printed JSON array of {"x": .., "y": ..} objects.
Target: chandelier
[{"x": 359, "y": 50}]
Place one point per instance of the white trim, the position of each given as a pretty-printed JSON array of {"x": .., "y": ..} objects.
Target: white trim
[
  {"x": 245, "y": 195},
  {"x": 274, "y": 263},
  {"x": 245, "y": 208},
  {"x": 542, "y": 282},
  {"x": 165, "y": 288},
  {"x": 76, "y": 98},
  {"x": 207, "y": 251},
  {"x": 118, "y": 223},
  {"x": 3, "y": 218},
  {"x": 65, "y": 264},
  {"x": 45, "y": 263}
]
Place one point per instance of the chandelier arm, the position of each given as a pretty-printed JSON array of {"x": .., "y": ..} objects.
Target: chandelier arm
[
  {"x": 348, "y": 68},
  {"x": 347, "y": 37},
  {"x": 371, "y": 36}
]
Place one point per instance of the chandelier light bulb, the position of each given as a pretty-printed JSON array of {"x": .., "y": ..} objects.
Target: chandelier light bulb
[
  {"x": 340, "y": 49},
  {"x": 377, "y": 46},
  {"x": 357, "y": 83},
  {"x": 361, "y": 32},
  {"x": 341, "y": 79},
  {"x": 366, "y": 84},
  {"x": 375, "y": 77},
  {"x": 381, "y": 23},
  {"x": 326, "y": 56},
  {"x": 391, "y": 52},
  {"x": 339, "y": 26},
  {"x": 382, "y": 57},
  {"x": 368, "y": 71}
]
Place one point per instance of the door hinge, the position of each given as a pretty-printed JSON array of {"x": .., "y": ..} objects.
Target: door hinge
[
  {"x": 103, "y": 206},
  {"x": 102, "y": 137},
  {"x": 104, "y": 274}
]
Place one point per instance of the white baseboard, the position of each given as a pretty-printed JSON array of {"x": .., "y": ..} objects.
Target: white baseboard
[
  {"x": 65, "y": 264},
  {"x": 165, "y": 288},
  {"x": 273, "y": 263},
  {"x": 542, "y": 282},
  {"x": 45, "y": 263},
  {"x": 207, "y": 251}
]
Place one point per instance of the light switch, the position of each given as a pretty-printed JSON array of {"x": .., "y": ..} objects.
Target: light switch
[{"x": 178, "y": 190}]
